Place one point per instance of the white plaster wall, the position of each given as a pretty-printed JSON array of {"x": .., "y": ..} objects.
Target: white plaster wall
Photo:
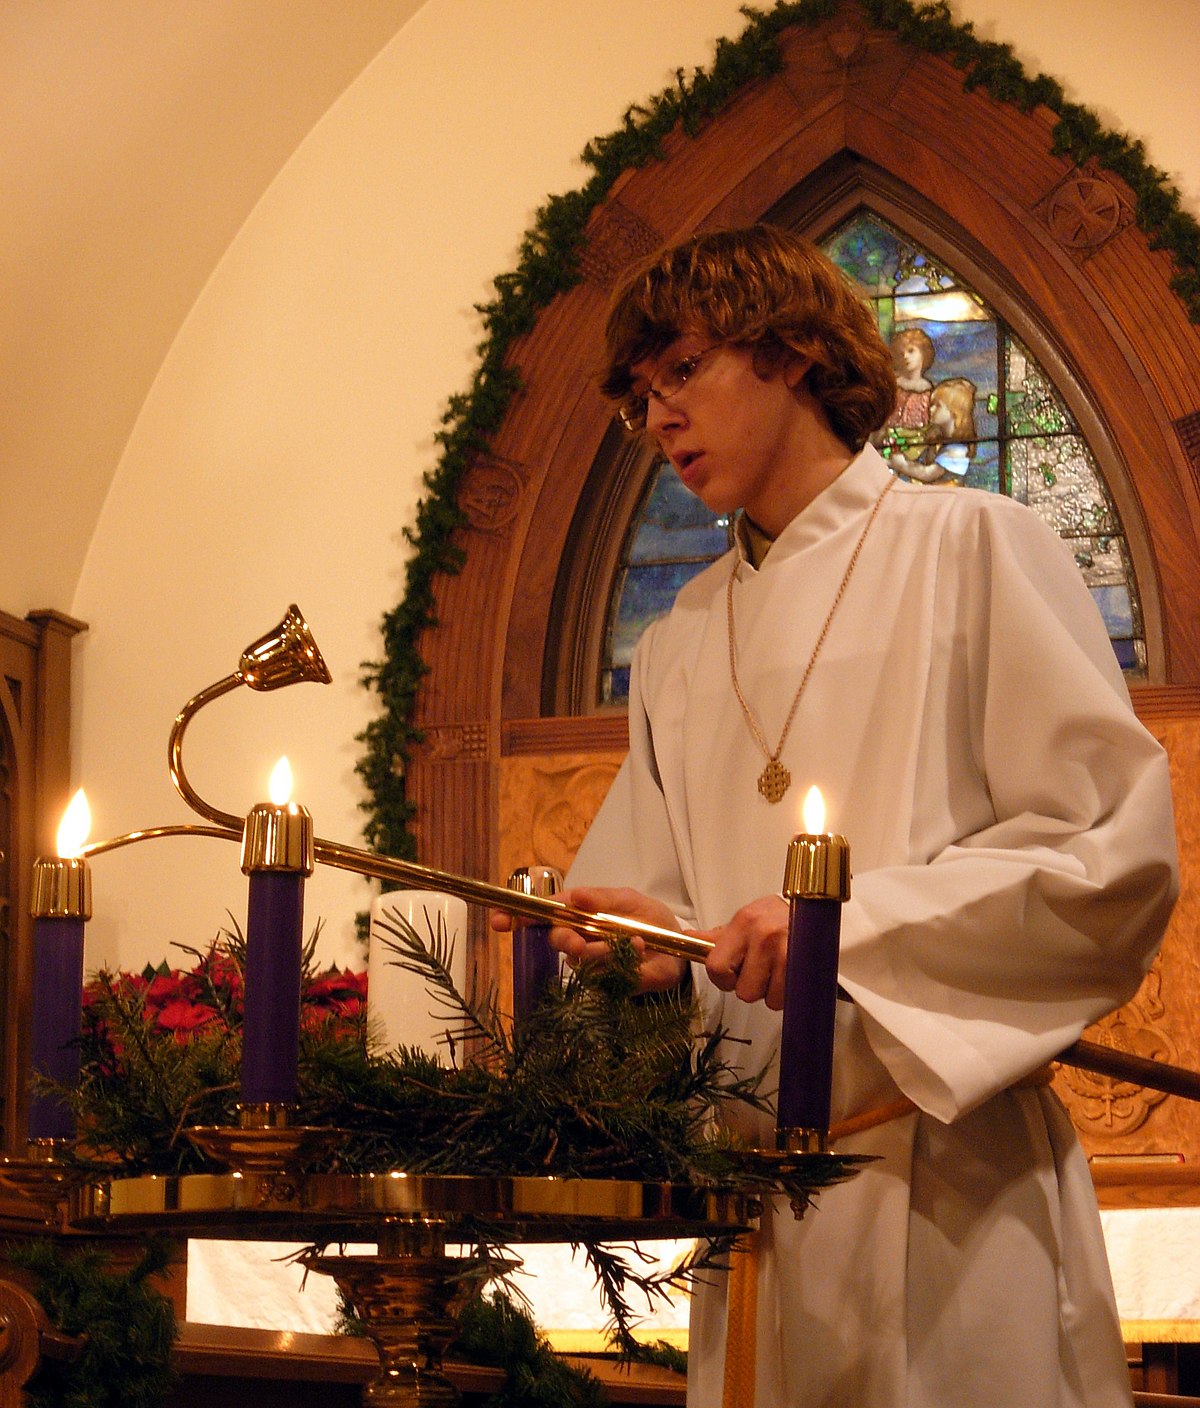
[{"x": 281, "y": 449}]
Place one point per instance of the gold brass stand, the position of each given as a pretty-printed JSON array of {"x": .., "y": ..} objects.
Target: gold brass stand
[
  {"x": 409, "y": 1294},
  {"x": 408, "y": 1298}
]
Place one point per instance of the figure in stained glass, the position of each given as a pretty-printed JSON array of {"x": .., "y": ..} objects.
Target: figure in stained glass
[
  {"x": 950, "y": 436},
  {"x": 912, "y": 356}
]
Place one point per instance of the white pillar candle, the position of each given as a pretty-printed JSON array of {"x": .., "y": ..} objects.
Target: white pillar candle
[{"x": 402, "y": 1008}]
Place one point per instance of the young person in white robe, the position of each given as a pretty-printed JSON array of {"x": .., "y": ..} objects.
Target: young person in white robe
[{"x": 931, "y": 659}]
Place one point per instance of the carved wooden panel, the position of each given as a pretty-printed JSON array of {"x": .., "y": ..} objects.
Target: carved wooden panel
[
  {"x": 1084, "y": 211},
  {"x": 1163, "y": 1020},
  {"x": 547, "y": 802}
]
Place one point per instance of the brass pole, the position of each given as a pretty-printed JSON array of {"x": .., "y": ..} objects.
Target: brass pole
[
  {"x": 544, "y": 911},
  {"x": 1083, "y": 1055}
]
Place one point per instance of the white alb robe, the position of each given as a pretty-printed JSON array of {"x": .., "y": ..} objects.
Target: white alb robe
[{"x": 1013, "y": 853}]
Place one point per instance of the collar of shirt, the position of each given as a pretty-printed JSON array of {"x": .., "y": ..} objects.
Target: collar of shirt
[{"x": 752, "y": 543}]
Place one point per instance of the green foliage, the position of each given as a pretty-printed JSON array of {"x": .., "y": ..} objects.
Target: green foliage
[
  {"x": 494, "y": 1330},
  {"x": 598, "y": 1082},
  {"x": 549, "y": 264},
  {"x": 128, "y": 1327},
  {"x": 161, "y": 1050}
]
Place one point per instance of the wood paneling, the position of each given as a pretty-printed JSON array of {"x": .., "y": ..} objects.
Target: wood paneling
[{"x": 35, "y": 776}]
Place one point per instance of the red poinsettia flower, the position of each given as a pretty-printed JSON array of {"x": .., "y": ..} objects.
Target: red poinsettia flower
[{"x": 183, "y": 1017}]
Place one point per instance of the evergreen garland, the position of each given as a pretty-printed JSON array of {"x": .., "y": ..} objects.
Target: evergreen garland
[
  {"x": 598, "y": 1081},
  {"x": 494, "y": 1330},
  {"x": 549, "y": 265},
  {"x": 127, "y": 1327}
]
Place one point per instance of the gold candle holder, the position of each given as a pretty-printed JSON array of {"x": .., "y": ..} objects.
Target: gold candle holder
[
  {"x": 62, "y": 888},
  {"x": 264, "y": 1140},
  {"x": 278, "y": 838},
  {"x": 817, "y": 868}
]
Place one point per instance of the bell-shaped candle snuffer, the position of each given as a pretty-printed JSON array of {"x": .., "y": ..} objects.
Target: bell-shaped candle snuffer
[
  {"x": 278, "y": 855},
  {"x": 816, "y": 883},
  {"x": 61, "y": 905},
  {"x": 534, "y": 962}
]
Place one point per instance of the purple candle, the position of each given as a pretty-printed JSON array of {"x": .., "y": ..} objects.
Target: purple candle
[
  {"x": 816, "y": 884},
  {"x": 57, "y": 1011},
  {"x": 534, "y": 962},
  {"x": 277, "y": 855},
  {"x": 61, "y": 905}
]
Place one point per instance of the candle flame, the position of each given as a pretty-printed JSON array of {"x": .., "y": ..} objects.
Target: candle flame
[
  {"x": 74, "y": 827},
  {"x": 814, "y": 813},
  {"x": 280, "y": 786}
]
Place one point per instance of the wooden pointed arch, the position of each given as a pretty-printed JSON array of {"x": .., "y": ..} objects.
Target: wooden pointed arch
[{"x": 849, "y": 98}]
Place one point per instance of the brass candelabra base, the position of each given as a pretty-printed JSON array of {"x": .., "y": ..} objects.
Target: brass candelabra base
[
  {"x": 410, "y": 1294},
  {"x": 408, "y": 1298},
  {"x": 264, "y": 1140},
  {"x": 42, "y": 1175}
]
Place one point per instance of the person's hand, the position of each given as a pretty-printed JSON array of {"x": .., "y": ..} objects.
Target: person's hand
[
  {"x": 749, "y": 954},
  {"x": 657, "y": 971}
]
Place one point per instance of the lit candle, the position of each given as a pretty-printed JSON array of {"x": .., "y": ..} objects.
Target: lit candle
[
  {"x": 534, "y": 962},
  {"x": 816, "y": 883},
  {"x": 62, "y": 904},
  {"x": 277, "y": 855}
]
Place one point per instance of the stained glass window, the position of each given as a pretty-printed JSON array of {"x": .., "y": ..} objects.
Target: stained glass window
[{"x": 973, "y": 407}]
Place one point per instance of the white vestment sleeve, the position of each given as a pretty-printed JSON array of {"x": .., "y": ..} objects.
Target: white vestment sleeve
[{"x": 1045, "y": 912}]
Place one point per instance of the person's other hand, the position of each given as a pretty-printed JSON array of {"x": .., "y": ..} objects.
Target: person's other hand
[
  {"x": 749, "y": 953},
  {"x": 657, "y": 971}
]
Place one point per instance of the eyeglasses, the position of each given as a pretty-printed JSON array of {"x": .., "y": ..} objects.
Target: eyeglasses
[{"x": 633, "y": 410}]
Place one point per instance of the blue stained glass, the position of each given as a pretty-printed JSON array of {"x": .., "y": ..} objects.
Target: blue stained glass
[
  {"x": 675, "y": 525},
  {"x": 1131, "y": 655},
  {"x": 614, "y": 685},
  {"x": 869, "y": 253},
  {"x": 1117, "y": 609},
  {"x": 646, "y": 593}
]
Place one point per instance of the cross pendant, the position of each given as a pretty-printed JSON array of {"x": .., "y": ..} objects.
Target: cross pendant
[{"x": 774, "y": 781}]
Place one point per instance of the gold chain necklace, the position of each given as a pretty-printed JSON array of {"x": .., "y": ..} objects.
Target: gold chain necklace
[{"x": 775, "y": 779}]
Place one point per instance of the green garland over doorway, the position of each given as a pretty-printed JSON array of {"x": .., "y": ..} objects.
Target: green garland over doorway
[{"x": 549, "y": 265}]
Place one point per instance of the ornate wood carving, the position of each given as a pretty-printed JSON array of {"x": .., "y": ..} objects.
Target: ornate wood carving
[
  {"x": 617, "y": 239},
  {"x": 1084, "y": 211},
  {"x": 1188, "y": 429},
  {"x": 22, "y": 1323},
  {"x": 1104, "y": 1108},
  {"x": 1163, "y": 1020},
  {"x": 547, "y": 803},
  {"x": 446, "y": 743},
  {"x": 491, "y": 496}
]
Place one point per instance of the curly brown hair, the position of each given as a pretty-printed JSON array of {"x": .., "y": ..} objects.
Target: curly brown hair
[{"x": 765, "y": 288}]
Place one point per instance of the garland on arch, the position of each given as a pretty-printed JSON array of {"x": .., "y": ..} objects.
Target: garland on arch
[{"x": 548, "y": 265}]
